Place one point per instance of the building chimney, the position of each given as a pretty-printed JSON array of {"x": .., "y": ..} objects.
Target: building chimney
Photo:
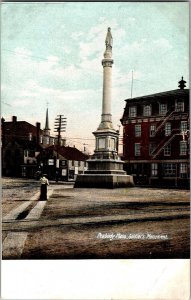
[
  {"x": 14, "y": 119},
  {"x": 37, "y": 133},
  {"x": 2, "y": 131},
  {"x": 64, "y": 142},
  {"x": 182, "y": 84}
]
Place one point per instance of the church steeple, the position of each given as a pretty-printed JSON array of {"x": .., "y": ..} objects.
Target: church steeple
[
  {"x": 47, "y": 121},
  {"x": 46, "y": 128}
]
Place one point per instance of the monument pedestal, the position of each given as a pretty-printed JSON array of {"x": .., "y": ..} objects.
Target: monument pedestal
[{"x": 105, "y": 168}]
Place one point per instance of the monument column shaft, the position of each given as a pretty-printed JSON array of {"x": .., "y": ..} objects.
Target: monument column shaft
[
  {"x": 107, "y": 85},
  {"x": 107, "y": 61}
]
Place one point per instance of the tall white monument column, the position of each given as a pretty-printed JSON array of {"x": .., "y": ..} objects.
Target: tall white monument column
[
  {"x": 105, "y": 168},
  {"x": 107, "y": 62}
]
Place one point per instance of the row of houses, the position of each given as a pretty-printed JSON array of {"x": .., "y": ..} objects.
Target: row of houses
[
  {"x": 155, "y": 144},
  {"x": 28, "y": 151}
]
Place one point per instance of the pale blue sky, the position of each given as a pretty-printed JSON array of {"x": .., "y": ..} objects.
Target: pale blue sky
[{"x": 52, "y": 52}]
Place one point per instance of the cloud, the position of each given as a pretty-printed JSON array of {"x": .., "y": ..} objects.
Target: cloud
[
  {"x": 123, "y": 78},
  {"x": 53, "y": 59},
  {"x": 21, "y": 102},
  {"x": 48, "y": 80},
  {"x": 22, "y": 51},
  {"x": 77, "y": 35},
  {"x": 95, "y": 38},
  {"x": 131, "y": 20},
  {"x": 101, "y": 28},
  {"x": 66, "y": 50},
  {"x": 162, "y": 43},
  {"x": 145, "y": 46},
  {"x": 51, "y": 69}
]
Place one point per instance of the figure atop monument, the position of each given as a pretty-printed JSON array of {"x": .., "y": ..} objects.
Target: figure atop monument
[
  {"x": 109, "y": 39},
  {"x": 109, "y": 44}
]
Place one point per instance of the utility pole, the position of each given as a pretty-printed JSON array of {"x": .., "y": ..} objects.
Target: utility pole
[
  {"x": 59, "y": 126},
  {"x": 132, "y": 85}
]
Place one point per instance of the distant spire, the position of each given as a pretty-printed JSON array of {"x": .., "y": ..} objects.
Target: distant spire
[
  {"x": 182, "y": 84},
  {"x": 47, "y": 121}
]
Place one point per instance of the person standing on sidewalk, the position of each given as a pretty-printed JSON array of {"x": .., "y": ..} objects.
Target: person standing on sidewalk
[{"x": 43, "y": 189}]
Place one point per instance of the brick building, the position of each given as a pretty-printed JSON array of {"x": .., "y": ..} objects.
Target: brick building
[
  {"x": 156, "y": 138},
  {"x": 20, "y": 147},
  {"x": 21, "y": 143},
  {"x": 66, "y": 161}
]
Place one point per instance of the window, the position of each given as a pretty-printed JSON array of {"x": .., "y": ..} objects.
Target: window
[
  {"x": 152, "y": 129},
  {"x": 147, "y": 110},
  {"x": 168, "y": 129},
  {"x": 26, "y": 153},
  {"x": 72, "y": 162},
  {"x": 23, "y": 172},
  {"x": 183, "y": 126},
  {"x": 41, "y": 141},
  {"x": 183, "y": 147},
  {"x": 137, "y": 149},
  {"x": 163, "y": 108},
  {"x": 169, "y": 170},
  {"x": 167, "y": 150},
  {"x": 183, "y": 170},
  {"x": 79, "y": 163},
  {"x": 138, "y": 130},
  {"x": 152, "y": 147},
  {"x": 47, "y": 140},
  {"x": 179, "y": 106},
  {"x": 132, "y": 111},
  {"x": 154, "y": 169},
  {"x": 52, "y": 141},
  {"x": 30, "y": 136},
  {"x": 63, "y": 162}
]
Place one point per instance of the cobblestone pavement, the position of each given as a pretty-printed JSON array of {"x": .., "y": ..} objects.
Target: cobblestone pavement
[{"x": 93, "y": 223}]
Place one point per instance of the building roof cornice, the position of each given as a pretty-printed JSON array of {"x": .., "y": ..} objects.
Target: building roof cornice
[{"x": 166, "y": 94}]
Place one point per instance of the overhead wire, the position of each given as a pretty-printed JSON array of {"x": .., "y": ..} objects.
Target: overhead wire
[{"x": 44, "y": 58}]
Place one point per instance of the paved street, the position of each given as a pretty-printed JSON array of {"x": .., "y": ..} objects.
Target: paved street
[{"x": 93, "y": 223}]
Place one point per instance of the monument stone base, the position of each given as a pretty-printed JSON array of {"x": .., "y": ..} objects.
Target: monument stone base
[
  {"x": 106, "y": 173},
  {"x": 107, "y": 181}
]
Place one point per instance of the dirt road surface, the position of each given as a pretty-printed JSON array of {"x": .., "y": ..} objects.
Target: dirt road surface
[{"x": 93, "y": 223}]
